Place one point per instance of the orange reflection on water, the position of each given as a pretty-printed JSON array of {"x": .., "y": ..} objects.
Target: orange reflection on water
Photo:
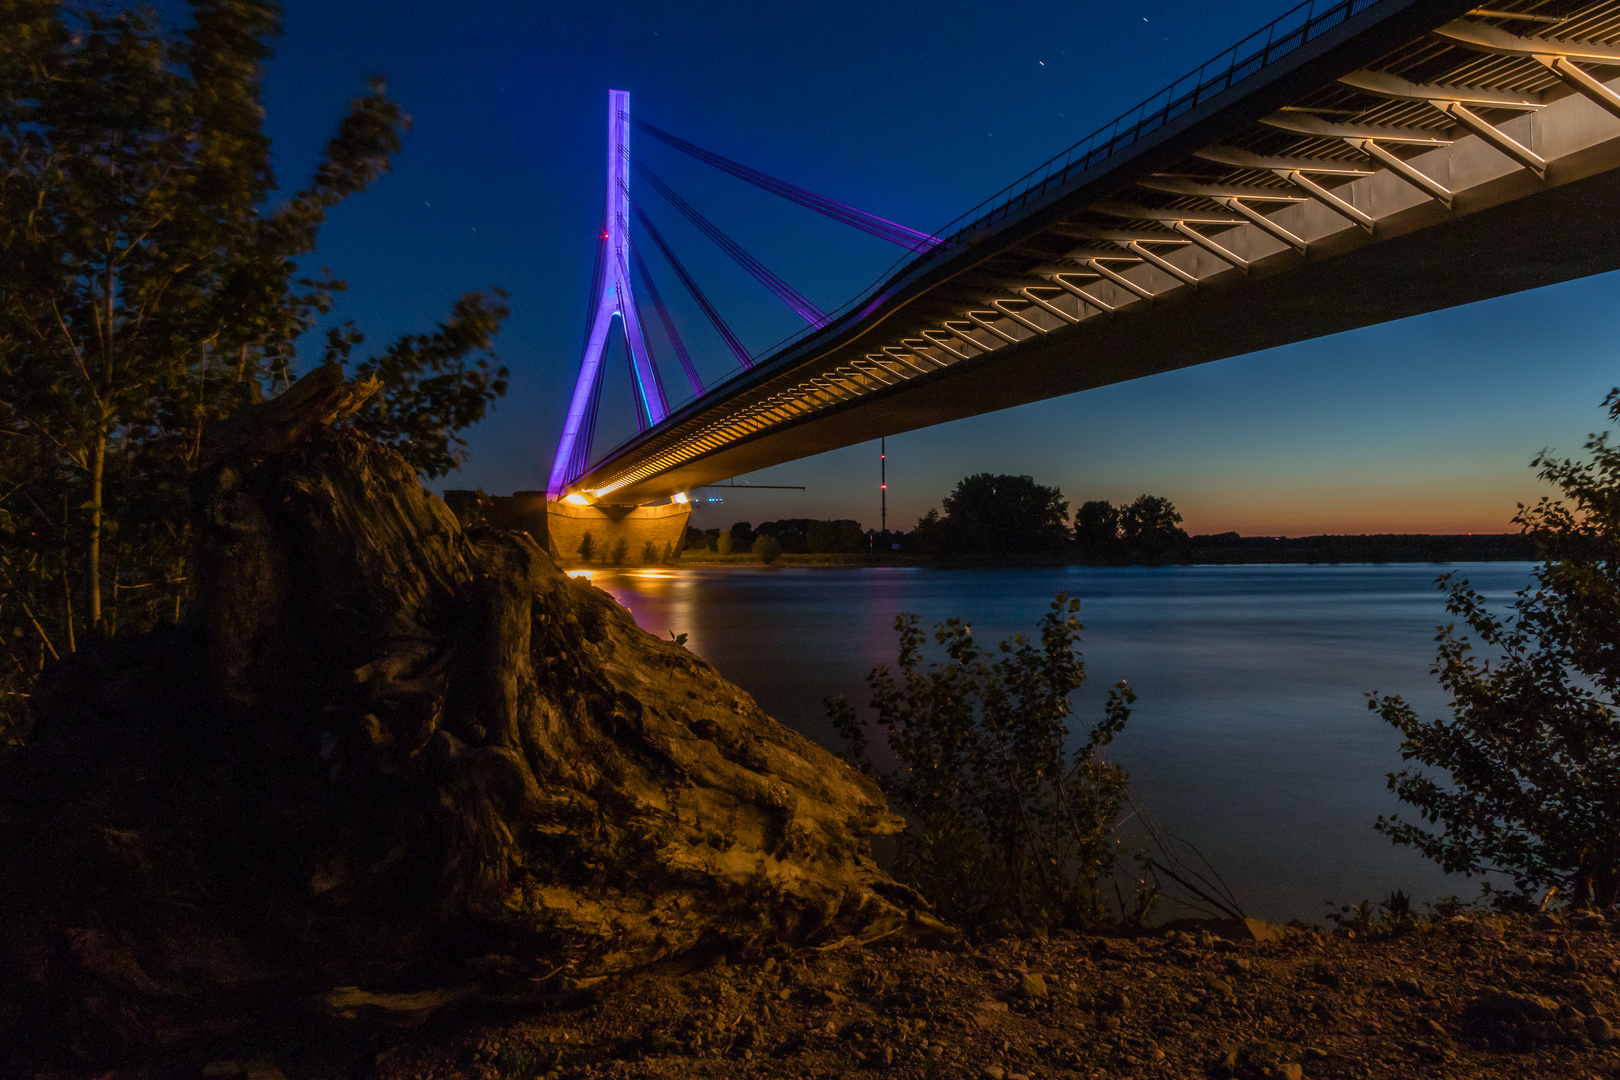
[{"x": 658, "y": 598}]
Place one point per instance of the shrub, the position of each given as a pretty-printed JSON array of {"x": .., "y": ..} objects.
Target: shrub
[
  {"x": 767, "y": 549},
  {"x": 621, "y": 549},
  {"x": 1531, "y": 755},
  {"x": 1007, "y": 827},
  {"x": 723, "y": 543},
  {"x": 649, "y": 553},
  {"x": 587, "y": 547}
]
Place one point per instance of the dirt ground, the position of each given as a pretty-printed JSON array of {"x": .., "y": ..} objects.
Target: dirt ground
[{"x": 1460, "y": 997}]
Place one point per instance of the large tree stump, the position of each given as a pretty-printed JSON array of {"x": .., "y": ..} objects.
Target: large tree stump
[{"x": 388, "y": 754}]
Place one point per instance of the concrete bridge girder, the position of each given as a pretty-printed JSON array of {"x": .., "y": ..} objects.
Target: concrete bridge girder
[{"x": 1382, "y": 232}]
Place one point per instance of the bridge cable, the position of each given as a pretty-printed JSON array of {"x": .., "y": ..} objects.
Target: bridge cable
[
  {"x": 779, "y": 288},
  {"x": 692, "y": 287},
  {"x": 893, "y": 232},
  {"x": 669, "y": 323}
]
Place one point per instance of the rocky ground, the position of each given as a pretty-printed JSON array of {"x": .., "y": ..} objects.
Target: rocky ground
[{"x": 1459, "y": 997}]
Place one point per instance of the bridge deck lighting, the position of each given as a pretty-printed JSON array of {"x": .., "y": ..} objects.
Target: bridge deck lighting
[
  {"x": 574, "y": 498},
  {"x": 679, "y": 497}
]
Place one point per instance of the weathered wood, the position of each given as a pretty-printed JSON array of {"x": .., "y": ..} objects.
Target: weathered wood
[{"x": 388, "y": 754}]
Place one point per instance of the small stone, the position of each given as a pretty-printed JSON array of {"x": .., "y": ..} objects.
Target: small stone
[
  {"x": 1599, "y": 1030},
  {"x": 993, "y": 1072},
  {"x": 1031, "y": 985},
  {"x": 936, "y": 1051},
  {"x": 1314, "y": 1053},
  {"x": 769, "y": 965},
  {"x": 1411, "y": 987},
  {"x": 1290, "y": 1071},
  {"x": 263, "y": 1070}
]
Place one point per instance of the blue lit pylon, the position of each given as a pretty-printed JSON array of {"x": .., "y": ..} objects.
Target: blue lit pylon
[{"x": 616, "y": 299}]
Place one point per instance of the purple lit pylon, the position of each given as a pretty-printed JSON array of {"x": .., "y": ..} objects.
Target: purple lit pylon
[{"x": 616, "y": 299}]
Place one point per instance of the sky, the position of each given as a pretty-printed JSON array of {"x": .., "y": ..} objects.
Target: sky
[{"x": 916, "y": 112}]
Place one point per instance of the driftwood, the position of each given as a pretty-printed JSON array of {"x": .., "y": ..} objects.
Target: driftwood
[{"x": 387, "y": 760}]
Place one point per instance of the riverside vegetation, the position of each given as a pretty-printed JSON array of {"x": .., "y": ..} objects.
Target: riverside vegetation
[{"x": 1001, "y": 519}]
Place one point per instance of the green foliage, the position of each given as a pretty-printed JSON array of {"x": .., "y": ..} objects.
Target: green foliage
[
  {"x": 1392, "y": 913},
  {"x": 767, "y": 548},
  {"x": 431, "y": 390},
  {"x": 1150, "y": 528},
  {"x": 1008, "y": 827},
  {"x": 723, "y": 543},
  {"x": 149, "y": 285},
  {"x": 1145, "y": 530},
  {"x": 1531, "y": 755},
  {"x": 997, "y": 515},
  {"x": 841, "y": 536},
  {"x": 587, "y": 547},
  {"x": 1096, "y": 528}
]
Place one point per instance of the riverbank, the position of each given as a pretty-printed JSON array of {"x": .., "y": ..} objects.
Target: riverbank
[
  {"x": 1222, "y": 549},
  {"x": 1465, "y": 997}
]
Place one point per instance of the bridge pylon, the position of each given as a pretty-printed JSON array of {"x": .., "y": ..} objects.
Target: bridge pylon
[
  {"x": 570, "y": 516},
  {"x": 614, "y": 299}
]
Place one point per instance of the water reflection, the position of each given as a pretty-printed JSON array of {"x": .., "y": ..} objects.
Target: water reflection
[{"x": 1251, "y": 735}]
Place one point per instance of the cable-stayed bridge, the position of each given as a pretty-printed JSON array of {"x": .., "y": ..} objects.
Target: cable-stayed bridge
[{"x": 1353, "y": 162}]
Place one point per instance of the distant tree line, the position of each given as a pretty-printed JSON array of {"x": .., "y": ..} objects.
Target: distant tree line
[
  {"x": 989, "y": 516},
  {"x": 793, "y": 536},
  {"x": 997, "y": 516}
]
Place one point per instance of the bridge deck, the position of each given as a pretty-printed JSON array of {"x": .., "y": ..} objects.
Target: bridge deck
[{"x": 1407, "y": 157}]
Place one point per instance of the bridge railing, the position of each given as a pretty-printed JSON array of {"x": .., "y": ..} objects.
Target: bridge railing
[
  {"x": 1277, "y": 39},
  {"x": 1289, "y": 31}
]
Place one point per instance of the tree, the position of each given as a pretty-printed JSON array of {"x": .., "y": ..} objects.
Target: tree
[
  {"x": 840, "y": 536},
  {"x": 587, "y": 546},
  {"x": 619, "y": 552},
  {"x": 649, "y": 553},
  {"x": 742, "y": 536},
  {"x": 149, "y": 286},
  {"x": 1096, "y": 528},
  {"x": 1006, "y": 827},
  {"x": 1531, "y": 755},
  {"x": 767, "y": 548},
  {"x": 1150, "y": 527},
  {"x": 997, "y": 515}
]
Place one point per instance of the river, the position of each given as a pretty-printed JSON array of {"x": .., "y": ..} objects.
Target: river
[{"x": 1251, "y": 737}]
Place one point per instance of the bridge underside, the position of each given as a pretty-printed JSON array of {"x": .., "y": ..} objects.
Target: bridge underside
[{"x": 1389, "y": 171}]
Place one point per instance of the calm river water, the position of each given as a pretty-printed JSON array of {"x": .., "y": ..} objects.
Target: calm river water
[{"x": 1251, "y": 737}]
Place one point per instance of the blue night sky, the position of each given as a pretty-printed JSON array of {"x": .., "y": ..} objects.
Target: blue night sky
[{"x": 916, "y": 112}]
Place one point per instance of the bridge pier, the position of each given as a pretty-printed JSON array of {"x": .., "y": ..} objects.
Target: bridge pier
[
  {"x": 663, "y": 526},
  {"x": 560, "y": 526}
]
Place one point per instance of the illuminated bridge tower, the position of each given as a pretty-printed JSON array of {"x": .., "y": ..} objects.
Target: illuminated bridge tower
[{"x": 570, "y": 515}]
